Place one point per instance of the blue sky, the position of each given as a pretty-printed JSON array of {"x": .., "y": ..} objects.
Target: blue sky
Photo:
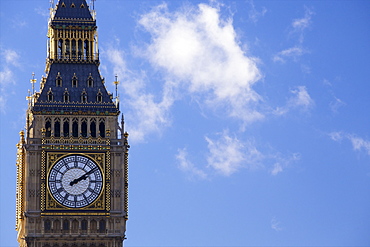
[{"x": 248, "y": 120}]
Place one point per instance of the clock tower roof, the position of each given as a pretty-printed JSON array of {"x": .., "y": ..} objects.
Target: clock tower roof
[
  {"x": 72, "y": 9},
  {"x": 73, "y": 83}
]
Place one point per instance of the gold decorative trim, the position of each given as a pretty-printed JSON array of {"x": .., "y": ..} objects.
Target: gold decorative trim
[
  {"x": 74, "y": 213},
  {"x": 50, "y": 204},
  {"x": 126, "y": 174},
  {"x": 20, "y": 181}
]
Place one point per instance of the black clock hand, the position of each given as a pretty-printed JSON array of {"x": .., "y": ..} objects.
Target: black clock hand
[{"x": 83, "y": 177}]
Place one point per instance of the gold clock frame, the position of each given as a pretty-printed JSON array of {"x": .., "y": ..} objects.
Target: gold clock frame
[{"x": 49, "y": 206}]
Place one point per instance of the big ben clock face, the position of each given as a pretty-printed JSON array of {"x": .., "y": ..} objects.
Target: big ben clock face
[{"x": 75, "y": 181}]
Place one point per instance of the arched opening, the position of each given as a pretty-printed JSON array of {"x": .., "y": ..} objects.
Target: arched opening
[
  {"x": 90, "y": 82},
  {"x": 79, "y": 49},
  {"x": 75, "y": 128},
  {"x": 74, "y": 226},
  {"x": 84, "y": 97},
  {"x": 86, "y": 47},
  {"x": 102, "y": 226},
  {"x": 60, "y": 48},
  {"x": 68, "y": 49},
  {"x": 99, "y": 97},
  {"x": 65, "y": 225},
  {"x": 57, "y": 128},
  {"x": 74, "y": 49},
  {"x": 93, "y": 226},
  {"x": 66, "y": 128},
  {"x": 74, "y": 81},
  {"x": 50, "y": 95},
  {"x": 48, "y": 128},
  {"x": 58, "y": 81},
  {"x": 102, "y": 129},
  {"x": 47, "y": 226},
  {"x": 84, "y": 129},
  {"x": 66, "y": 96},
  {"x": 93, "y": 129},
  {"x": 84, "y": 225},
  {"x": 56, "y": 226}
]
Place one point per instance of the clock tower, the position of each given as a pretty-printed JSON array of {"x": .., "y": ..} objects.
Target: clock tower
[{"x": 72, "y": 158}]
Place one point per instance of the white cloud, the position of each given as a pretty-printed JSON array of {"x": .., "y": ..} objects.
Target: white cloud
[
  {"x": 276, "y": 225},
  {"x": 298, "y": 28},
  {"x": 199, "y": 51},
  {"x": 227, "y": 154},
  {"x": 336, "y": 136},
  {"x": 358, "y": 143},
  {"x": 9, "y": 58},
  {"x": 336, "y": 104},
  {"x": 282, "y": 162},
  {"x": 198, "y": 54},
  {"x": 254, "y": 14},
  {"x": 300, "y": 100},
  {"x": 6, "y": 77},
  {"x": 301, "y": 24},
  {"x": 186, "y": 166},
  {"x": 293, "y": 52},
  {"x": 150, "y": 114},
  {"x": 276, "y": 169}
]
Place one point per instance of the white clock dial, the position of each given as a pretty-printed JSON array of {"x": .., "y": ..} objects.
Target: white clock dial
[{"x": 75, "y": 181}]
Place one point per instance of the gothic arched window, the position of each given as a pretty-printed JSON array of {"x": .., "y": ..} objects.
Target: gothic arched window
[
  {"x": 99, "y": 97},
  {"x": 102, "y": 226},
  {"x": 102, "y": 129},
  {"x": 58, "y": 80},
  {"x": 47, "y": 225},
  {"x": 75, "y": 128},
  {"x": 79, "y": 49},
  {"x": 48, "y": 128},
  {"x": 60, "y": 48},
  {"x": 68, "y": 48},
  {"x": 66, "y": 96},
  {"x": 74, "y": 80},
  {"x": 56, "y": 225},
  {"x": 65, "y": 225},
  {"x": 93, "y": 226},
  {"x": 84, "y": 97},
  {"x": 50, "y": 95},
  {"x": 73, "y": 49},
  {"x": 86, "y": 47},
  {"x": 66, "y": 127},
  {"x": 93, "y": 128},
  {"x": 90, "y": 81},
  {"x": 57, "y": 128},
  {"x": 74, "y": 226},
  {"x": 84, "y": 225},
  {"x": 84, "y": 128}
]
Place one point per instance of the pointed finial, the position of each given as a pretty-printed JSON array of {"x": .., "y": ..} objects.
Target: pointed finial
[
  {"x": 116, "y": 82},
  {"x": 33, "y": 81}
]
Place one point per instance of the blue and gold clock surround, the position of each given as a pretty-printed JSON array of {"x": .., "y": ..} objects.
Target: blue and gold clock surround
[{"x": 75, "y": 182}]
